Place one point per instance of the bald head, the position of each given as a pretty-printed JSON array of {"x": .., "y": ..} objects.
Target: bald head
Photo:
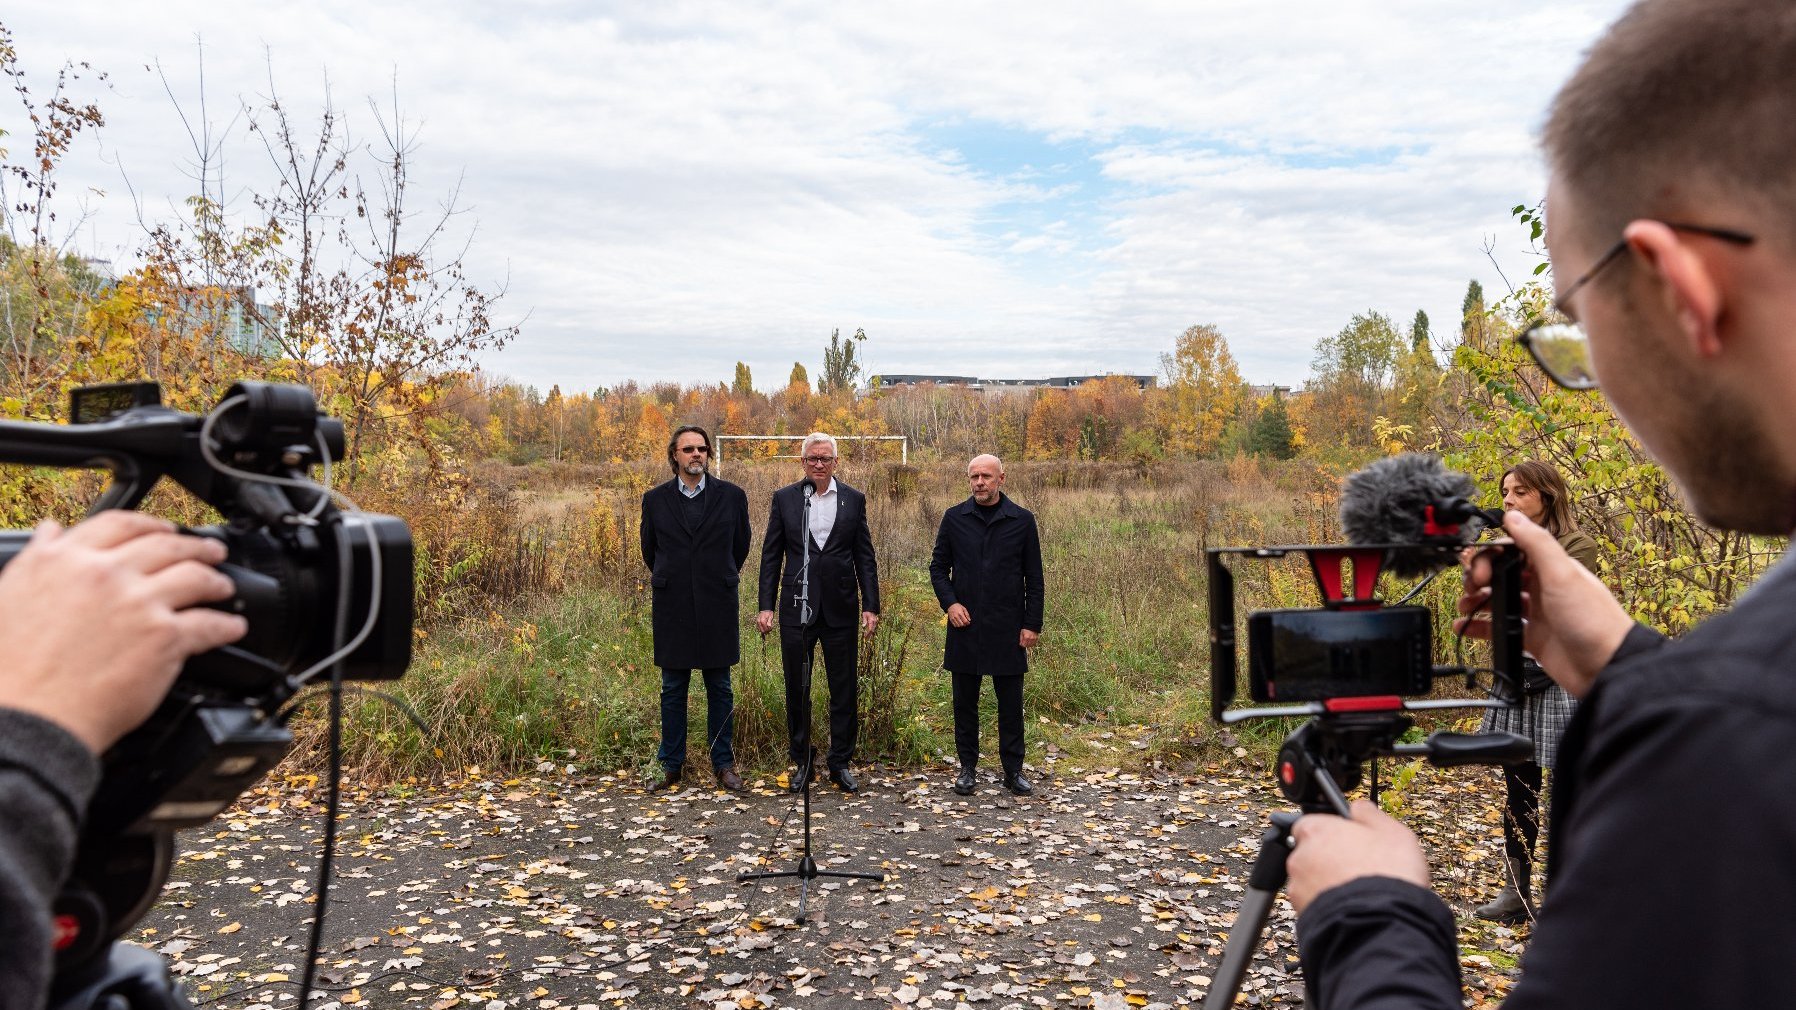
[{"x": 985, "y": 474}]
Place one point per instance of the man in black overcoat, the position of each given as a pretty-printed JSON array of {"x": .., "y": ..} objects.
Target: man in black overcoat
[
  {"x": 986, "y": 570},
  {"x": 844, "y": 583},
  {"x": 694, "y": 541}
]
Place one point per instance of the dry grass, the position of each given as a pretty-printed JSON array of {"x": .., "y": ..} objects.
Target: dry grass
[{"x": 537, "y": 643}]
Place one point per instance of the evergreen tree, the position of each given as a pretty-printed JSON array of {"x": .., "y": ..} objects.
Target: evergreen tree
[
  {"x": 1270, "y": 434},
  {"x": 1471, "y": 313},
  {"x": 1418, "y": 331}
]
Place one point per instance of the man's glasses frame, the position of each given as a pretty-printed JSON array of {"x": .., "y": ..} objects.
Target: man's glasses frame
[{"x": 1561, "y": 348}]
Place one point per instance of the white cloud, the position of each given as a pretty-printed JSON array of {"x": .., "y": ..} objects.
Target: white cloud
[{"x": 673, "y": 187}]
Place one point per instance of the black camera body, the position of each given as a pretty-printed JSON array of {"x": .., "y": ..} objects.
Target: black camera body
[{"x": 308, "y": 577}]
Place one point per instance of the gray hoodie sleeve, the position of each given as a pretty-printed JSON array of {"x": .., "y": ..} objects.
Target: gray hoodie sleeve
[{"x": 46, "y": 779}]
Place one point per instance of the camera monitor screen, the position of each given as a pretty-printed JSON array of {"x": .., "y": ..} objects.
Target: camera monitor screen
[{"x": 1315, "y": 655}]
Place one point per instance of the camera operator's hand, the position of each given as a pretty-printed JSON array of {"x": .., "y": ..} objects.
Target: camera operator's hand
[
  {"x": 98, "y": 619},
  {"x": 1574, "y": 624},
  {"x": 1330, "y": 851}
]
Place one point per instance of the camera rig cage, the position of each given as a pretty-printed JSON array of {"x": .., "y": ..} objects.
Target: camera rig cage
[
  {"x": 300, "y": 567},
  {"x": 1355, "y": 718}
]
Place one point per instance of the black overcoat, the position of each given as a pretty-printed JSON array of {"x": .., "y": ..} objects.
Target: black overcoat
[
  {"x": 844, "y": 574},
  {"x": 694, "y": 574},
  {"x": 993, "y": 570}
]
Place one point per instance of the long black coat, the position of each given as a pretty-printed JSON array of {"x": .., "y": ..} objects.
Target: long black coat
[
  {"x": 993, "y": 570},
  {"x": 844, "y": 575},
  {"x": 694, "y": 574}
]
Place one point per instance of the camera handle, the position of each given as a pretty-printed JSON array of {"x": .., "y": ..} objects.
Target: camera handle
[{"x": 1310, "y": 761}]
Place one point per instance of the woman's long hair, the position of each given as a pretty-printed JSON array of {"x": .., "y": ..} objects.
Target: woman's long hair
[{"x": 1554, "y": 495}]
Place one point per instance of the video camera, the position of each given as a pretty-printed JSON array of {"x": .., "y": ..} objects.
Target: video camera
[{"x": 325, "y": 592}]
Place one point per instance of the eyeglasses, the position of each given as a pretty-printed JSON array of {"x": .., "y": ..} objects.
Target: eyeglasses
[
  {"x": 1562, "y": 348},
  {"x": 697, "y": 450},
  {"x": 819, "y": 460}
]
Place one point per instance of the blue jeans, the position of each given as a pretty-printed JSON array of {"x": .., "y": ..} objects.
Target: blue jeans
[{"x": 720, "y": 717}]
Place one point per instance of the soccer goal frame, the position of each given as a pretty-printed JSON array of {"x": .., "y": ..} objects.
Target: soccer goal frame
[{"x": 902, "y": 440}]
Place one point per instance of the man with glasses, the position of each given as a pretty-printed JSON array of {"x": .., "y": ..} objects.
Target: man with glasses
[
  {"x": 1672, "y": 204},
  {"x": 694, "y": 540},
  {"x": 843, "y": 590}
]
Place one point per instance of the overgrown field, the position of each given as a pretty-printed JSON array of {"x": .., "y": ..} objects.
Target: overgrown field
[{"x": 566, "y": 674}]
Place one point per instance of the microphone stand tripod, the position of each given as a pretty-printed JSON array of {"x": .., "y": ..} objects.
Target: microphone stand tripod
[
  {"x": 1316, "y": 761},
  {"x": 807, "y": 865}
]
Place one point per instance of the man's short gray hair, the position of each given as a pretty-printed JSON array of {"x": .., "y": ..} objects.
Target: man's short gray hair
[{"x": 814, "y": 438}]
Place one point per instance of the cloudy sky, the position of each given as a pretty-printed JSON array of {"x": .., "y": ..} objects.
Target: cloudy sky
[{"x": 1000, "y": 189}]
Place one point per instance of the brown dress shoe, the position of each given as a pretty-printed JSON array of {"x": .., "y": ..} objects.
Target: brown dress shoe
[
  {"x": 668, "y": 778},
  {"x": 728, "y": 779}
]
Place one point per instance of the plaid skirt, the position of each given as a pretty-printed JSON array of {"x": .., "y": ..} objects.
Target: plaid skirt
[{"x": 1540, "y": 717}]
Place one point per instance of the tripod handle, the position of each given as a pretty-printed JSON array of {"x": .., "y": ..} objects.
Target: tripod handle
[
  {"x": 1275, "y": 845},
  {"x": 1449, "y": 750}
]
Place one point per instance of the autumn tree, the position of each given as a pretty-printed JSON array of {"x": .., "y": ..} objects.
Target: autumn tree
[
  {"x": 45, "y": 290},
  {"x": 744, "y": 384},
  {"x": 1204, "y": 391},
  {"x": 368, "y": 299},
  {"x": 1351, "y": 379},
  {"x": 799, "y": 376}
]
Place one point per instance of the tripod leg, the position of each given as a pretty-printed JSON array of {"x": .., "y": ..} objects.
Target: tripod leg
[{"x": 1263, "y": 885}]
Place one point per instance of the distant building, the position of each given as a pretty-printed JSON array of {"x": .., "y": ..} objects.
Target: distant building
[
  {"x": 236, "y": 320},
  {"x": 892, "y": 381},
  {"x": 1002, "y": 385},
  {"x": 1257, "y": 393}
]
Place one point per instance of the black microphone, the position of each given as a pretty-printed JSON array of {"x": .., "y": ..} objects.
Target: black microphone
[{"x": 1413, "y": 499}]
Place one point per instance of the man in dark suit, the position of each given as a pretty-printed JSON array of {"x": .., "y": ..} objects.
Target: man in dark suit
[
  {"x": 694, "y": 541},
  {"x": 986, "y": 570},
  {"x": 844, "y": 582}
]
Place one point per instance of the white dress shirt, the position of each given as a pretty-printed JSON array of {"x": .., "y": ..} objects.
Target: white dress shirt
[{"x": 823, "y": 513}]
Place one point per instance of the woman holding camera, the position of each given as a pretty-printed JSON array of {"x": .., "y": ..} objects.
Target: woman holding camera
[{"x": 1536, "y": 490}]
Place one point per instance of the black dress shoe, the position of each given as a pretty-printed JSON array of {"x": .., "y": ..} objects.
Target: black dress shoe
[
  {"x": 844, "y": 780},
  {"x": 1017, "y": 784},
  {"x": 668, "y": 778},
  {"x": 796, "y": 783},
  {"x": 965, "y": 782}
]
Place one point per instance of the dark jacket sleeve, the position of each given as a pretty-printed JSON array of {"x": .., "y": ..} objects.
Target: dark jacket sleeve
[
  {"x": 941, "y": 563},
  {"x": 739, "y": 549},
  {"x": 773, "y": 553},
  {"x": 866, "y": 567},
  {"x": 1379, "y": 943},
  {"x": 648, "y": 532},
  {"x": 46, "y": 780},
  {"x": 1032, "y": 581}
]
